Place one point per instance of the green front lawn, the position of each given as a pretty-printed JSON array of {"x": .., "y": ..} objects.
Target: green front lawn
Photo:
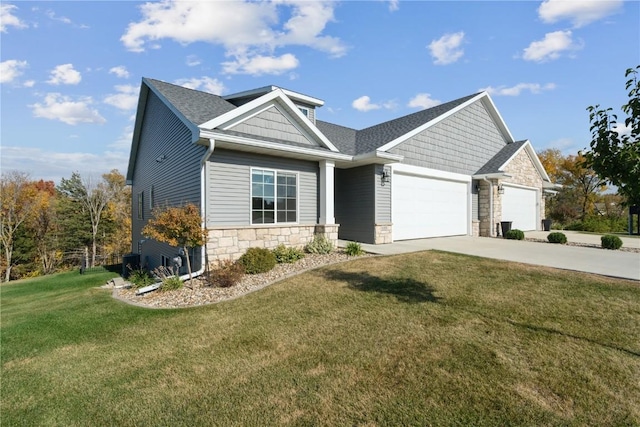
[{"x": 421, "y": 339}]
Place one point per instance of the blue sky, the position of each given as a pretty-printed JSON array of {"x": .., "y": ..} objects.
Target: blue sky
[{"x": 70, "y": 71}]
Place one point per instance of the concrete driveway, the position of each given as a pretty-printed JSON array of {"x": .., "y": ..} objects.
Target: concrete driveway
[{"x": 625, "y": 265}]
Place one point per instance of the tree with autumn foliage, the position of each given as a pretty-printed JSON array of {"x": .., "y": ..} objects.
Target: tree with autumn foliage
[
  {"x": 178, "y": 226},
  {"x": 581, "y": 186},
  {"x": 44, "y": 227},
  {"x": 17, "y": 198}
]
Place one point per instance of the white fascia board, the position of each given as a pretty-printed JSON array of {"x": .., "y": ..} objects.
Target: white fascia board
[
  {"x": 221, "y": 138},
  {"x": 382, "y": 155},
  {"x": 534, "y": 158},
  {"x": 263, "y": 103},
  {"x": 498, "y": 175},
  {"x": 429, "y": 173},
  {"x": 304, "y": 98}
]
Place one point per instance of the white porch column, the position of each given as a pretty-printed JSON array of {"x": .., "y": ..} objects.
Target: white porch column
[{"x": 327, "y": 168}]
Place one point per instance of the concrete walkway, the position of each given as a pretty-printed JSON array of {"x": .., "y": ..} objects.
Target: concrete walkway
[{"x": 619, "y": 264}]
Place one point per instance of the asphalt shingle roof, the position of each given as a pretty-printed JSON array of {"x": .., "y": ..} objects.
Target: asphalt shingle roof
[
  {"x": 200, "y": 107},
  {"x": 343, "y": 138},
  {"x": 197, "y": 106},
  {"x": 376, "y": 136},
  {"x": 493, "y": 165}
]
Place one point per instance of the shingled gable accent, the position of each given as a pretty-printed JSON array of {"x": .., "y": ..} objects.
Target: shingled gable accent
[
  {"x": 276, "y": 98},
  {"x": 500, "y": 161},
  {"x": 482, "y": 97}
]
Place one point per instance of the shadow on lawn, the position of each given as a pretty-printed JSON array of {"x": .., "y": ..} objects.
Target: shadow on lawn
[{"x": 405, "y": 290}]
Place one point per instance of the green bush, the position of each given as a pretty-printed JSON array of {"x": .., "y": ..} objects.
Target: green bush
[
  {"x": 319, "y": 245},
  {"x": 284, "y": 254},
  {"x": 514, "y": 234},
  {"x": 226, "y": 274},
  {"x": 599, "y": 224},
  {"x": 557, "y": 237},
  {"x": 257, "y": 260},
  {"x": 140, "y": 278},
  {"x": 609, "y": 241},
  {"x": 354, "y": 249}
]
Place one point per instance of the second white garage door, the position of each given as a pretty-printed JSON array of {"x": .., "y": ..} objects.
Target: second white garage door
[
  {"x": 519, "y": 206},
  {"x": 427, "y": 207}
]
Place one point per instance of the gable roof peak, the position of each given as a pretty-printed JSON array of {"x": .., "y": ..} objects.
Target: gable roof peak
[{"x": 258, "y": 92}]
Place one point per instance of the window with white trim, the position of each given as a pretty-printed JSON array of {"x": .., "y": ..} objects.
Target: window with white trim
[{"x": 274, "y": 197}]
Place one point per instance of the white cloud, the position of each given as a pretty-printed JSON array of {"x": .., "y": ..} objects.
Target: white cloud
[
  {"x": 394, "y": 5},
  {"x": 63, "y": 108},
  {"x": 64, "y": 74},
  {"x": 364, "y": 104},
  {"x": 551, "y": 47},
  {"x": 8, "y": 19},
  {"x": 53, "y": 165},
  {"x": 258, "y": 65},
  {"x": 125, "y": 99},
  {"x": 517, "y": 89},
  {"x": 193, "y": 60},
  {"x": 423, "y": 101},
  {"x": 11, "y": 69},
  {"x": 246, "y": 29},
  {"x": 120, "y": 71},
  {"x": 206, "y": 84},
  {"x": 579, "y": 12},
  {"x": 29, "y": 83},
  {"x": 124, "y": 140},
  {"x": 446, "y": 50}
]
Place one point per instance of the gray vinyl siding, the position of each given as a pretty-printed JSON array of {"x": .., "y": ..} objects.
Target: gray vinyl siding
[
  {"x": 272, "y": 124},
  {"x": 475, "y": 200},
  {"x": 461, "y": 143},
  {"x": 175, "y": 180},
  {"x": 355, "y": 208},
  {"x": 229, "y": 186},
  {"x": 383, "y": 196}
]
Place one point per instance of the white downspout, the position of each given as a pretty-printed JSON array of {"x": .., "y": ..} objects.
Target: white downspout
[
  {"x": 203, "y": 206},
  {"x": 491, "y": 227}
]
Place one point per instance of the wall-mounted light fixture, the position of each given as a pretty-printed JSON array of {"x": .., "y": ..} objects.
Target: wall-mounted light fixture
[
  {"x": 500, "y": 189},
  {"x": 161, "y": 158},
  {"x": 477, "y": 188},
  {"x": 385, "y": 177}
]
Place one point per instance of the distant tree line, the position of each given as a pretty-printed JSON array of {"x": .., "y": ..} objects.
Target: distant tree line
[{"x": 46, "y": 228}]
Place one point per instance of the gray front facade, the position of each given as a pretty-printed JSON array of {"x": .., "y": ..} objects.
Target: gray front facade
[{"x": 236, "y": 156}]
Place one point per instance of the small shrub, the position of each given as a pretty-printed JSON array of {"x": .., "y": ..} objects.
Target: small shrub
[
  {"x": 140, "y": 278},
  {"x": 284, "y": 254},
  {"x": 226, "y": 274},
  {"x": 514, "y": 234},
  {"x": 557, "y": 237},
  {"x": 171, "y": 284},
  {"x": 319, "y": 245},
  {"x": 170, "y": 281},
  {"x": 257, "y": 260},
  {"x": 354, "y": 249},
  {"x": 609, "y": 241}
]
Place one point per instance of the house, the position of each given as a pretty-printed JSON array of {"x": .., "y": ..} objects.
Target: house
[{"x": 264, "y": 171}]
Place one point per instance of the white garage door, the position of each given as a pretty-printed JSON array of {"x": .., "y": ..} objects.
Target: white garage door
[
  {"x": 427, "y": 207},
  {"x": 519, "y": 207}
]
